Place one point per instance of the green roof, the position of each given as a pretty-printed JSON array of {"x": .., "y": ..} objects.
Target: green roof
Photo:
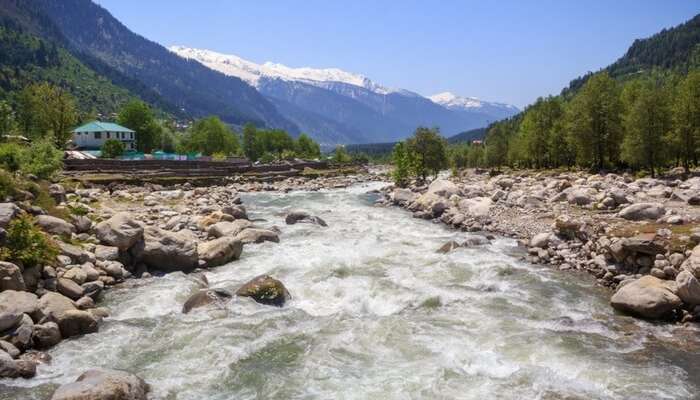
[{"x": 97, "y": 126}]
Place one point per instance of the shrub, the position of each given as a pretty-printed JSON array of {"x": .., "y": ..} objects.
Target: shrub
[
  {"x": 27, "y": 244},
  {"x": 267, "y": 158},
  {"x": 11, "y": 156},
  {"x": 218, "y": 156},
  {"x": 42, "y": 159},
  {"x": 112, "y": 148},
  {"x": 7, "y": 185}
]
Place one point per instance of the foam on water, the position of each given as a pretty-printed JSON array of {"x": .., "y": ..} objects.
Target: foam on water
[{"x": 375, "y": 313}]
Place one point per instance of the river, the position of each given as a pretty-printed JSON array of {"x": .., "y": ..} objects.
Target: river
[{"x": 376, "y": 313}]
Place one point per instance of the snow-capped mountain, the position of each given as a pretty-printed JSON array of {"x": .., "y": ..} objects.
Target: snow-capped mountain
[
  {"x": 335, "y": 106},
  {"x": 251, "y": 72}
]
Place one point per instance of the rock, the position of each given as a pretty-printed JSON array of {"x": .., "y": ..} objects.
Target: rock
[
  {"x": 692, "y": 263},
  {"x": 475, "y": 240},
  {"x": 10, "y": 368},
  {"x": 76, "y": 274},
  {"x": 647, "y": 297},
  {"x": 91, "y": 273},
  {"x": 58, "y": 193},
  {"x": 403, "y": 197},
  {"x": 120, "y": 231},
  {"x": 302, "y": 216},
  {"x": 220, "y": 251},
  {"x": 688, "y": 288},
  {"x": 642, "y": 211},
  {"x": 540, "y": 240},
  {"x": 567, "y": 227},
  {"x": 236, "y": 211},
  {"x": 85, "y": 303},
  {"x": 448, "y": 247},
  {"x": 645, "y": 243},
  {"x": 82, "y": 223},
  {"x": 226, "y": 228},
  {"x": 579, "y": 197},
  {"x": 10, "y": 349},
  {"x": 265, "y": 290},
  {"x": 9, "y": 319},
  {"x": 204, "y": 297},
  {"x": 46, "y": 335},
  {"x": 11, "y": 277},
  {"x": 106, "y": 253},
  {"x": 31, "y": 276},
  {"x": 257, "y": 235},
  {"x": 52, "y": 305},
  {"x": 8, "y": 211},
  {"x": 115, "y": 269},
  {"x": 443, "y": 188},
  {"x": 103, "y": 385},
  {"x": 76, "y": 322},
  {"x": 69, "y": 288},
  {"x": 93, "y": 289},
  {"x": 21, "y": 335},
  {"x": 55, "y": 225},
  {"x": 167, "y": 251},
  {"x": 75, "y": 253},
  {"x": 476, "y": 207},
  {"x": 20, "y": 302}
]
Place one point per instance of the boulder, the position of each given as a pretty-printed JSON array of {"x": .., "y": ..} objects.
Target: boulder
[
  {"x": 103, "y": 385},
  {"x": 82, "y": 223},
  {"x": 20, "y": 302},
  {"x": 76, "y": 322},
  {"x": 120, "y": 231},
  {"x": 167, "y": 251},
  {"x": 228, "y": 228},
  {"x": 9, "y": 319},
  {"x": 265, "y": 290},
  {"x": 476, "y": 207},
  {"x": 475, "y": 240},
  {"x": 220, "y": 251},
  {"x": 236, "y": 211},
  {"x": 57, "y": 193},
  {"x": 205, "y": 297},
  {"x": 688, "y": 288},
  {"x": 647, "y": 297},
  {"x": 76, "y": 274},
  {"x": 257, "y": 235},
  {"x": 645, "y": 243},
  {"x": 302, "y": 216},
  {"x": 54, "y": 225},
  {"x": 540, "y": 240},
  {"x": 7, "y": 212},
  {"x": 46, "y": 335},
  {"x": 402, "y": 196},
  {"x": 642, "y": 211},
  {"x": 69, "y": 288},
  {"x": 448, "y": 247},
  {"x": 443, "y": 188},
  {"x": 10, "y": 368},
  {"x": 692, "y": 263},
  {"x": 567, "y": 227},
  {"x": 76, "y": 254},
  {"x": 11, "y": 277},
  {"x": 106, "y": 253},
  {"x": 52, "y": 305},
  {"x": 579, "y": 197}
]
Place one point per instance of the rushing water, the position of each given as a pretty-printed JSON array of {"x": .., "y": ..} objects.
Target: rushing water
[{"x": 377, "y": 314}]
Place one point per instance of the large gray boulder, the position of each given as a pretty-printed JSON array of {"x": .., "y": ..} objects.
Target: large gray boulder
[
  {"x": 20, "y": 302},
  {"x": 76, "y": 322},
  {"x": 257, "y": 235},
  {"x": 692, "y": 263},
  {"x": 229, "y": 228},
  {"x": 69, "y": 288},
  {"x": 7, "y": 212},
  {"x": 205, "y": 297},
  {"x": 443, "y": 188},
  {"x": 647, "y": 297},
  {"x": 46, "y": 335},
  {"x": 579, "y": 197},
  {"x": 103, "y": 385},
  {"x": 120, "y": 231},
  {"x": 403, "y": 196},
  {"x": 75, "y": 253},
  {"x": 643, "y": 211},
  {"x": 11, "y": 277},
  {"x": 303, "y": 216},
  {"x": 476, "y": 207},
  {"x": 220, "y": 251},
  {"x": 10, "y": 368},
  {"x": 688, "y": 287},
  {"x": 167, "y": 251},
  {"x": 54, "y": 225},
  {"x": 52, "y": 305}
]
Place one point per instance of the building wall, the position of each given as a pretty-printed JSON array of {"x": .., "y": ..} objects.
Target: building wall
[{"x": 87, "y": 140}]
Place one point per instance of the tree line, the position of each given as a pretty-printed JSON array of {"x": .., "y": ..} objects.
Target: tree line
[{"x": 650, "y": 122}]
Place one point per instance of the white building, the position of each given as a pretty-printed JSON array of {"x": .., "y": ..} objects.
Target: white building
[{"x": 92, "y": 135}]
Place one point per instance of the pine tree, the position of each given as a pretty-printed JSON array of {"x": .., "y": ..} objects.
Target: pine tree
[{"x": 685, "y": 136}]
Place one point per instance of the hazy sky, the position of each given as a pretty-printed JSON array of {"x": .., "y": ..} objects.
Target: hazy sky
[{"x": 511, "y": 51}]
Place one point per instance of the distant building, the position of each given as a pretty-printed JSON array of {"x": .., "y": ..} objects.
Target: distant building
[{"x": 93, "y": 135}]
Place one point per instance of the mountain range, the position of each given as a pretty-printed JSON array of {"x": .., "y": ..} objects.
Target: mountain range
[{"x": 336, "y": 106}]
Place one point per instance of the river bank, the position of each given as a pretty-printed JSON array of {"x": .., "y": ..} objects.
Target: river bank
[{"x": 636, "y": 234}]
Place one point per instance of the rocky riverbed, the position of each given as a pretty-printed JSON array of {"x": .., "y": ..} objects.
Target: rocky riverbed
[
  {"x": 637, "y": 236},
  {"x": 138, "y": 264}
]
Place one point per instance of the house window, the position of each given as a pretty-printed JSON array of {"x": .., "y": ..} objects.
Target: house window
[
  {"x": 98, "y": 135},
  {"x": 107, "y": 135},
  {"x": 132, "y": 135}
]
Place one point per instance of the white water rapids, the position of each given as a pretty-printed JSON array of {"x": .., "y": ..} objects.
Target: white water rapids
[{"x": 376, "y": 314}]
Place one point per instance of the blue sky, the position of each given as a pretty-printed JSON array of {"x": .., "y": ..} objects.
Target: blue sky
[{"x": 510, "y": 51}]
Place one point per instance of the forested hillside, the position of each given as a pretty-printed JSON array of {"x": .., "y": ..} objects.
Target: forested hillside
[{"x": 642, "y": 112}]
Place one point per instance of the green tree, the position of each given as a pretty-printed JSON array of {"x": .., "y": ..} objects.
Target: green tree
[
  {"x": 647, "y": 120},
  {"x": 537, "y": 129},
  {"x": 497, "y": 145},
  {"x": 112, "y": 148},
  {"x": 42, "y": 158},
  {"x": 340, "y": 155},
  {"x": 250, "y": 142},
  {"x": 402, "y": 164},
  {"x": 307, "y": 147},
  {"x": 210, "y": 135},
  {"x": 138, "y": 116},
  {"x": 595, "y": 122},
  {"x": 47, "y": 109},
  {"x": 685, "y": 137},
  {"x": 7, "y": 119},
  {"x": 429, "y": 150}
]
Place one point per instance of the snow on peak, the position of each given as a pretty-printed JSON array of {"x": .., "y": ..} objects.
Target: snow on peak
[
  {"x": 251, "y": 72},
  {"x": 456, "y": 102}
]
